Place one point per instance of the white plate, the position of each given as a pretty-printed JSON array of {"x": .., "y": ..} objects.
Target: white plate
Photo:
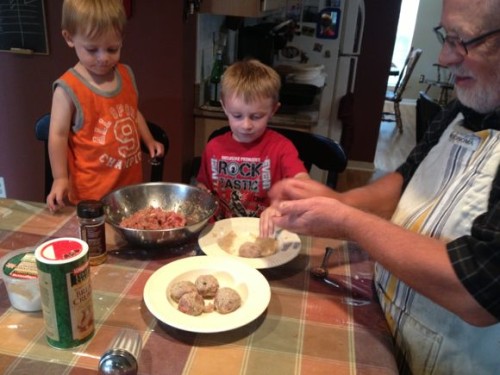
[
  {"x": 247, "y": 229},
  {"x": 249, "y": 283}
]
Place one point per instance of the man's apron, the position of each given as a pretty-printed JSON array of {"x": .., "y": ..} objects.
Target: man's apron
[{"x": 449, "y": 189}]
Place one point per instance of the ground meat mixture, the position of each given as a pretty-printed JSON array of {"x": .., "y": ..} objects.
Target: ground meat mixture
[
  {"x": 207, "y": 286},
  {"x": 154, "y": 218},
  {"x": 180, "y": 288},
  {"x": 227, "y": 300},
  {"x": 192, "y": 304}
]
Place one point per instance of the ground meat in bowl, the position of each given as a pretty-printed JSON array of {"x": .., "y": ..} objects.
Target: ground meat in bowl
[{"x": 152, "y": 218}]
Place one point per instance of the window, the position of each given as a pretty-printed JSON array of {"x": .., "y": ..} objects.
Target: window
[{"x": 404, "y": 36}]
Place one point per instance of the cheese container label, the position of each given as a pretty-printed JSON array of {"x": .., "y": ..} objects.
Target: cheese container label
[{"x": 66, "y": 293}]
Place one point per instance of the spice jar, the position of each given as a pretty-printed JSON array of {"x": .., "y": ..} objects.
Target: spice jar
[{"x": 92, "y": 229}]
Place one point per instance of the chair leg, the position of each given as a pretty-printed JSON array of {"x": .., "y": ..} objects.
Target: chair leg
[{"x": 399, "y": 121}]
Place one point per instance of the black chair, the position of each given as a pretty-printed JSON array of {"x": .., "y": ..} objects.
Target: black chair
[
  {"x": 42, "y": 134},
  {"x": 427, "y": 109},
  {"x": 396, "y": 95},
  {"x": 314, "y": 149}
]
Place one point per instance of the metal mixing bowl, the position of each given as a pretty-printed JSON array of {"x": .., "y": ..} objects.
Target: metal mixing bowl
[{"x": 195, "y": 204}]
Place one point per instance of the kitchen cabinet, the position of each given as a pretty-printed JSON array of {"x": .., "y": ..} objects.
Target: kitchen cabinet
[
  {"x": 242, "y": 8},
  {"x": 203, "y": 128}
]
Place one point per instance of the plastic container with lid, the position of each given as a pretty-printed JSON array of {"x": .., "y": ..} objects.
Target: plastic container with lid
[{"x": 20, "y": 275}]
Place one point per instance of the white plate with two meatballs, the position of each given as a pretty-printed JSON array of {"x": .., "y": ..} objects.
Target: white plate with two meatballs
[
  {"x": 230, "y": 236},
  {"x": 250, "y": 285}
]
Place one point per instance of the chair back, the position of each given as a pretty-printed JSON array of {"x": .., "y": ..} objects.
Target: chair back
[
  {"x": 314, "y": 149},
  {"x": 427, "y": 109},
  {"x": 42, "y": 126},
  {"x": 42, "y": 134},
  {"x": 161, "y": 136},
  {"x": 406, "y": 72}
]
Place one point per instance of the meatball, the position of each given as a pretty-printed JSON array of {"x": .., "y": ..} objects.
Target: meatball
[
  {"x": 250, "y": 250},
  {"x": 192, "y": 304},
  {"x": 268, "y": 246},
  {"x": 180, "y": 288},
  {"x": 227, "y": 300},
  {"x": 207, "y": 286}
]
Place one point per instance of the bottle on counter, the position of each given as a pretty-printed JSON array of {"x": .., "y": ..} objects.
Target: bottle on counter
[
  {"x": 92, "y": 229},
  {"x": 215, "y": 76}
]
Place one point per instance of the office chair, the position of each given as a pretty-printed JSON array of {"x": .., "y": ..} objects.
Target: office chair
[
  {"x": 42, "y": 134},
  {"x": 427, "y": 109},
  {"x": 396, "y": 95},
  {"x": 314, "y": 149}
]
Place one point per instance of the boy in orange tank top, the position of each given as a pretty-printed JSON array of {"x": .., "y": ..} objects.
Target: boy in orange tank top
[{"x": 95, "y": 127}]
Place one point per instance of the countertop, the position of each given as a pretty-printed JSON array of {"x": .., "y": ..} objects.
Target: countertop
[{"x": 294, "y": 117}]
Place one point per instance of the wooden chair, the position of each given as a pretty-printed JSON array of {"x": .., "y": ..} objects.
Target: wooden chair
[
  {"x": 445, "y": 86},
  {"x": 314, "y": 149},
  {"x": 396, "y": 95},
  {"x": 42, "y": 134}
]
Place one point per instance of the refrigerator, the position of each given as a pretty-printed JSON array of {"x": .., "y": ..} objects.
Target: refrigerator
[
  {"x": 352, "y": 41},
  {"x": 329, "y": 37}
]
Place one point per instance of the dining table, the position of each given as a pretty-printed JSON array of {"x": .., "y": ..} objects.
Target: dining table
[{"x": 332, "y": 325}]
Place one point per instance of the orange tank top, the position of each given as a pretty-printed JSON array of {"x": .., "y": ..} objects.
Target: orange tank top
[{"x": 104, "y": 151}]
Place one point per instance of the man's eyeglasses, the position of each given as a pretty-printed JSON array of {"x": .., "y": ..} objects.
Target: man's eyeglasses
[{"x": 457, "y": 43}]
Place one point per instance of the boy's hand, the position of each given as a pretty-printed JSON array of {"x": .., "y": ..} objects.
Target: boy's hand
[
  {"x": 156, "y": 149},
  {"x": 57, "y": 196}
]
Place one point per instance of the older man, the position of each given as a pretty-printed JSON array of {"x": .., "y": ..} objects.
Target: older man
[{"x": 438, "y": 258}]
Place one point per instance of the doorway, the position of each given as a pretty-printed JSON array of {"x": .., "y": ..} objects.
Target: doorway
[
  {"x": 392, "y": 146},
  {"x": 404, "y": 36}
]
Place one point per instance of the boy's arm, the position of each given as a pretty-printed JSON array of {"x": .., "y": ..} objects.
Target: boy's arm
[
  {"x": 60, "y": 122},
  {"x": 155, "y": 148}
]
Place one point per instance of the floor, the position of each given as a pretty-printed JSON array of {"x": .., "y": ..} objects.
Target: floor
[{"x": 392, "y": 149}]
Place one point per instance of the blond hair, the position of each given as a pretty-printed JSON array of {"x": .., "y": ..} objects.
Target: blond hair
[
  {"x": 93, "y": 17},
  {"x": 250, "y": 80}
]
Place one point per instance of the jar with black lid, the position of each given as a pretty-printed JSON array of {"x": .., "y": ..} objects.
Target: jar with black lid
[{"x": 92, "y": 229}]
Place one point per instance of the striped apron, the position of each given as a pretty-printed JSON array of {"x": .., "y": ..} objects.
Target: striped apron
[{"x": 449, "y": 189}]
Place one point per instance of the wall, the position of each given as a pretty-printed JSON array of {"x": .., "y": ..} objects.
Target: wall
[
  {"x": 159, "y": 46},
  {"x": 363, "y": 113},
  {"x": 429, "y": 13}
]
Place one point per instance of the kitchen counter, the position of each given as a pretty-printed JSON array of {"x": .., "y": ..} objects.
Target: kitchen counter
[
  {"x": 303, "y": 117},
  {"x": 209, "y": 118}
]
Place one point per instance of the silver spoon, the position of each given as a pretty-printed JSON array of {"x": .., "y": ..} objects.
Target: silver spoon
[{"x": 321, "y": 271}]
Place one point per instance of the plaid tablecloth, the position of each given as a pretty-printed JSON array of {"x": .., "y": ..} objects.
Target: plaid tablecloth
[{"x": 310, "y": 327}]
